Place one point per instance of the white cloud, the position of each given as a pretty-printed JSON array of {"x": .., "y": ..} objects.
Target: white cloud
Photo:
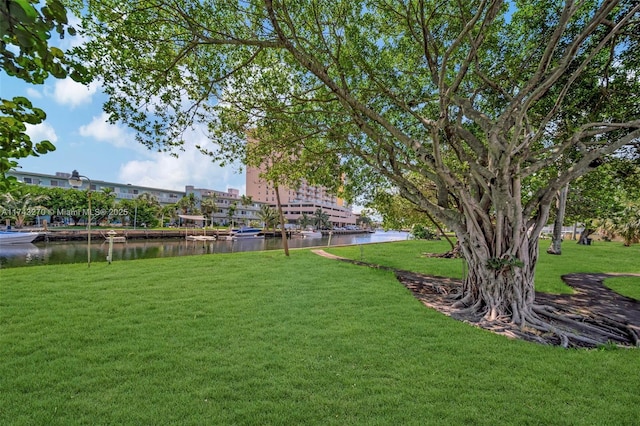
[
  {"x": 33, "y": 93},
  {"x": 69, "y": 42},
  {"x": 42, "y": 131},
  {"x": 161, "y": 169},
  {"x": 101, "y": 130},
  {"x": 191, "y": 167},
  {"x": 68, "y": 92}
]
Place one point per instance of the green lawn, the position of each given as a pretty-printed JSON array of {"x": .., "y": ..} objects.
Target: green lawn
[
  {"x": 600, "y": 257},
  {"x": 628, "y": 286},
  {"x": 257, "y": 338}
]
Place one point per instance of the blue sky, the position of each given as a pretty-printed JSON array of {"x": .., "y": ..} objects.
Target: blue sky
[{"x": 84, "y": 140}]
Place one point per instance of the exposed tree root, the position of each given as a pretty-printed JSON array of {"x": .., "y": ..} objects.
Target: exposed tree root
[
  {"x": 558, "y": 320},
  {"x": 451, "y": 254},
  {"x": 454, "y": 253},
  {"x": 549, "y": 324},
  {"x": 608, "y": 330}
]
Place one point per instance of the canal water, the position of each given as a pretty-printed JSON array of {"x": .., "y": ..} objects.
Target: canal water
[{"x": 13, "y": 255}]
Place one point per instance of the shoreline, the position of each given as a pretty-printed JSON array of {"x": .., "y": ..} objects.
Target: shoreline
[{"x": 151, "y": 234}]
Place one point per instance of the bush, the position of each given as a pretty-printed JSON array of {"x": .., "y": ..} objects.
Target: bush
[{"x": 421, "y": 232}]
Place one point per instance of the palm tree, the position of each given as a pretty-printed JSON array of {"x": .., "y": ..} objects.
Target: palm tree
[
  {"x": 321, "y": 219},
  {"x": 102, "y": 204},
  {"x": 231, "y": 213},
  {"x": 146, "y": 209},
  {"x": 149, "y": 199},
  {"x": 188, "y": 204},
  {"x": 268, "y": 216},
  {"x": 168, "y": 210},
  {"x": 20, "y": 207},
  {"x": 209, "y": 206},
  {"x": 304, "y": 221},
  {"x": 628, "y": 224}
]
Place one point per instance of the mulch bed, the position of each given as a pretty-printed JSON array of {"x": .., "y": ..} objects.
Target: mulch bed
[{"x": 591, "y": 298}]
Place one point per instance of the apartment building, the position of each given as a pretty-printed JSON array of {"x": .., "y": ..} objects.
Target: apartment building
[
  {"x": 122, "y": 191},
  {"x": 231, "y": 206},
  {"x": 305, "y": 199},
  {"x": 244, "y": 209}
]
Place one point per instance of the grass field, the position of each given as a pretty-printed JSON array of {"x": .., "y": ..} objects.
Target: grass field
[
  {"x": 629, "y": 286},
  {"x": 257, "y": 338}
]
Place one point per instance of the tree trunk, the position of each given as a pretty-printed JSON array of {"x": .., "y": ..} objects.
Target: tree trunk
[
  {"x": 556, "y": 238},
  {"x": 500, "y": 280},
  {"x": 584, "y": 236},
  {"x": 285, "y": 242}
]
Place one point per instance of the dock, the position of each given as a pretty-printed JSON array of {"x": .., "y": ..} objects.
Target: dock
[{"x": 80, "y": 234}]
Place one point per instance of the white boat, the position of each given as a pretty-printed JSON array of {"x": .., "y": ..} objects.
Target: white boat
[
  {"x": 10, "y": 237},
  {"x": 311, "y": 234},
  {"x": 201, "y": 237},
  {"x": 246, "y": 232}
]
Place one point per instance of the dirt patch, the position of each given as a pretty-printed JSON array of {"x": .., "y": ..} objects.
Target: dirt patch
[{"x": 594, "y": 311}]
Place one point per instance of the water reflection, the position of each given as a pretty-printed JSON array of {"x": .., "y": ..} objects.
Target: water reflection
[{"x": 12, "y": 255}]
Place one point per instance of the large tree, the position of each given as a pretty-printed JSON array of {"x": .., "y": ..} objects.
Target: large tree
[
  {"x": 26, "y": 27},
  {"x": 471, "y": 95}
]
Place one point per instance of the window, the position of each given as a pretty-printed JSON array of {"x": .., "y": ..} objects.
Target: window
[
  {"x": 27, "y": 180},
  {"x": 54, "y": 182}
]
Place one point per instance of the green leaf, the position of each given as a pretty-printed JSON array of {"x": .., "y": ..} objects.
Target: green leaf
[
  {"x": 22, "y": 11},
  {"x": 22, "y": 101},
  {"x": 58, "y": 12},
  {"x": 56, "y": 52},
  {"x": 44, "y": 147},
  {"x": 24, "y": 38},
  {"x": 57, "y": 70}
]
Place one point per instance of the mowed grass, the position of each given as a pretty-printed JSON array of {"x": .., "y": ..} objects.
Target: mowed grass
[
  {"x": 627, "y": 286},
  {"x": 601, "y": 257},
  {"x": 258, "y": 338}
]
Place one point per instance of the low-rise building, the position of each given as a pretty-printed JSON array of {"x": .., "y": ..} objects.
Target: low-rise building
[
  {"x": 122, "y": 191},
  {"x": 231, "y": 206}
]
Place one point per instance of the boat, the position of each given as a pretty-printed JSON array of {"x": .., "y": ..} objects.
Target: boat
[
  {"x": 246, "y": 232},
  {"x": 311, "y": 234},
  {"x": 10, "y": 237},
  {"x": 201, "y": 237}
]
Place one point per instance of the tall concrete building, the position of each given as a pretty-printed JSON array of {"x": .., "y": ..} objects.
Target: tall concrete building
[{"x": 296, "y": 201}]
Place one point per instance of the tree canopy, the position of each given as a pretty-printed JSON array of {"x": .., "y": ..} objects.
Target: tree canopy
[
  {"x": 25, "y": 53},
  {"x": 499, "y": 104}
]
